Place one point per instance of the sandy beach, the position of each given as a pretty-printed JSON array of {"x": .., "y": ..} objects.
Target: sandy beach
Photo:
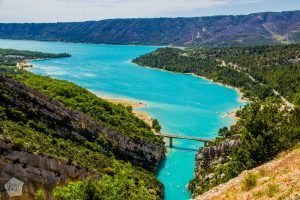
[{"x": 134, "y": 104}]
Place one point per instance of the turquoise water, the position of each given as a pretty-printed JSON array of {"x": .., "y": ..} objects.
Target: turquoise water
[{"x": 184, "y": 104}]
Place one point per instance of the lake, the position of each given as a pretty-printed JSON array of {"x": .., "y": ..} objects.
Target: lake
[{"x": 184, "y": 104}]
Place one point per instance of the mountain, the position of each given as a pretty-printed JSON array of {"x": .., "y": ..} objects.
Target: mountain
[{"x": 259, "y": 28}]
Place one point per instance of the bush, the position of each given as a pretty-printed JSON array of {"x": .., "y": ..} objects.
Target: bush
[
  {"x": 249, "y": 181},
  {"x": 272, "y": 190},
  {"x": 18, "y": 145},
  {"x": 39, "y": 195}
]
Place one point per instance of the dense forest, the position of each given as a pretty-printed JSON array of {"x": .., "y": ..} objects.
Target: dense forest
[
  {"x": 266, "y": 126},
  {"x": 43, "y": 116},
  {"x": 256, "y": 70},
  {"x": 260, "y": 28}
]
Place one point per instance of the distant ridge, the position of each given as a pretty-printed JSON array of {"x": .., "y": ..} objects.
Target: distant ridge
[{"x": 252, "y": 29}]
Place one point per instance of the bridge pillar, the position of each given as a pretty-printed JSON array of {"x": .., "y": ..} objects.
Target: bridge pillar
[{"x": 171, "y": 142}]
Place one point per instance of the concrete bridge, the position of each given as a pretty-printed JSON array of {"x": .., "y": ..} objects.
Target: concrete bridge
[{"x": 171, "y": 137}]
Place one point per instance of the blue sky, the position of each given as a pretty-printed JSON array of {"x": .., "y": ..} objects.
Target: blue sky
[{"x": 82, "y": 10}]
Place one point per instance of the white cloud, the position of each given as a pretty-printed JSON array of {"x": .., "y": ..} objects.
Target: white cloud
[{"x": 80, "y": 10}]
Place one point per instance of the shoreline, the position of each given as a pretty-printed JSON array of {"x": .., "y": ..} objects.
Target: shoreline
[
  {"x": 241, "y": 98},
  {"x": 134, "y": 104},
  {"x": 137, "y": 104}
]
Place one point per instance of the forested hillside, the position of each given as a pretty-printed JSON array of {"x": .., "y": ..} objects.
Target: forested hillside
[
  {"x": 261, "y": 28},
  {"x": 11, "y": 57},
  {"x": 69, "y": 144},
  {"x": 267, "y": 126},
  {"x": 257, "y": 70}
]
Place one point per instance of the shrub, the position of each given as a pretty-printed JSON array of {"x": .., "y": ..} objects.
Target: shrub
[
  {"x": 249, "y": 181},
  {"x": 272, "y": 190},
  {"x": 18, "y": 145},
  {"x": 39, "y": 195}
]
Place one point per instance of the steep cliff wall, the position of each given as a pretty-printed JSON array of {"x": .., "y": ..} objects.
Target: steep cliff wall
[
  {"x": 208, "y": 159},
  {"x": 73, "y": 125},
  {"x": 36, "y": 171}
]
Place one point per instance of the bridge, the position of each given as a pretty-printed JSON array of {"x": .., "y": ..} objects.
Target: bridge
[{"x": 171, "y": 137}]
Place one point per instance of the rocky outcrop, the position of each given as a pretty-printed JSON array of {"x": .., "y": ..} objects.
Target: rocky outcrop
[
  {"x": 208, "y": 159},
  {"x": 76, "y": 126},
  {"x": 37, "y": 171}
]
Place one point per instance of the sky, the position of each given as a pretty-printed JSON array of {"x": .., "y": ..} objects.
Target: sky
[{"x": 85, "y": 10}]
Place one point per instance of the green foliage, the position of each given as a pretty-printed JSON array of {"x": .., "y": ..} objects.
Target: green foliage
[
  {"x": 115, "y": 117},
  {"x": 39, "y": 195},
  {"x": 269, "y": 67},
  {"x": 249, "y": 181},
  {"x": 10, "y": 57},
  {"x": 91, "y": 156},
  {"x": 108, "y": 187},
  {"x": 156, "y": 125},
  {"x": 19, "y": 127},
  {"x": 224, "y": 132},
  {"x": 265, "y": 129},
  {"x": 272, "y": 190}
]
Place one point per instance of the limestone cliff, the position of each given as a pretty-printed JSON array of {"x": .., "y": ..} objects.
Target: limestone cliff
[
  {"x": 76, "y": 126},
  {"x": 37, "y": 171},
  {"x": 207, "y": 160}
]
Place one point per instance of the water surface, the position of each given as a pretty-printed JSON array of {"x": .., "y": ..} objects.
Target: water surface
[{"x": 184, "y": 104}]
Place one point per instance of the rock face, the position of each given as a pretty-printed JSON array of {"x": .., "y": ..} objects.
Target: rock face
[
  {"x": 36, "y": 171},
  {"x": 73, "y": 125},
  {"x": 208, "y": 159}
]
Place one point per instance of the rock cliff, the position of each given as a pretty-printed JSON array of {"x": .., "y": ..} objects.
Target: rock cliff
[
  {"x": 208, "y": 159},
  {"x": 73, "y": 125},
  {"x": 37, "y": 171}
]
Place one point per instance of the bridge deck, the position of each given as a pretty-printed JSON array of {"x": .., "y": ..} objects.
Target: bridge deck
[{"x": 184, "y": 137}]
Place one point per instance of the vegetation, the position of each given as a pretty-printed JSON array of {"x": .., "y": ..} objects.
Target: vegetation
[
  {"x": 155, "y": 125},
  {"x": 116, "y": 187},
  {"x": 36, "y": 136},
  {"x": 265, "y": 127},
  {"x": 249, "y": 181},
  {"x": 256, "y": 70},
  {"x": 259, "y": 29},
  {"x": 10, "y": 57},
  {"x": 277, "y": 179},
  {"x": 115, "y": 117},
  {"x": 264, "y": 130}
]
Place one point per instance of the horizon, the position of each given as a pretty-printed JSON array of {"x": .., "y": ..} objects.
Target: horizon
[
  {"x": 130, "y": 18},
  {"x": 55, "y": 11}
]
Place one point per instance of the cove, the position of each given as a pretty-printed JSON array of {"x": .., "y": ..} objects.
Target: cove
[{"x": 184, "y": 104}]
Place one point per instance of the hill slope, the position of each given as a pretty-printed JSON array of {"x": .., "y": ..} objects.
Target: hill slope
[
  {"x": 259, "y": 71},
  {"x": 278, "y": 179},
  {"x": 261, "y": 28}
]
